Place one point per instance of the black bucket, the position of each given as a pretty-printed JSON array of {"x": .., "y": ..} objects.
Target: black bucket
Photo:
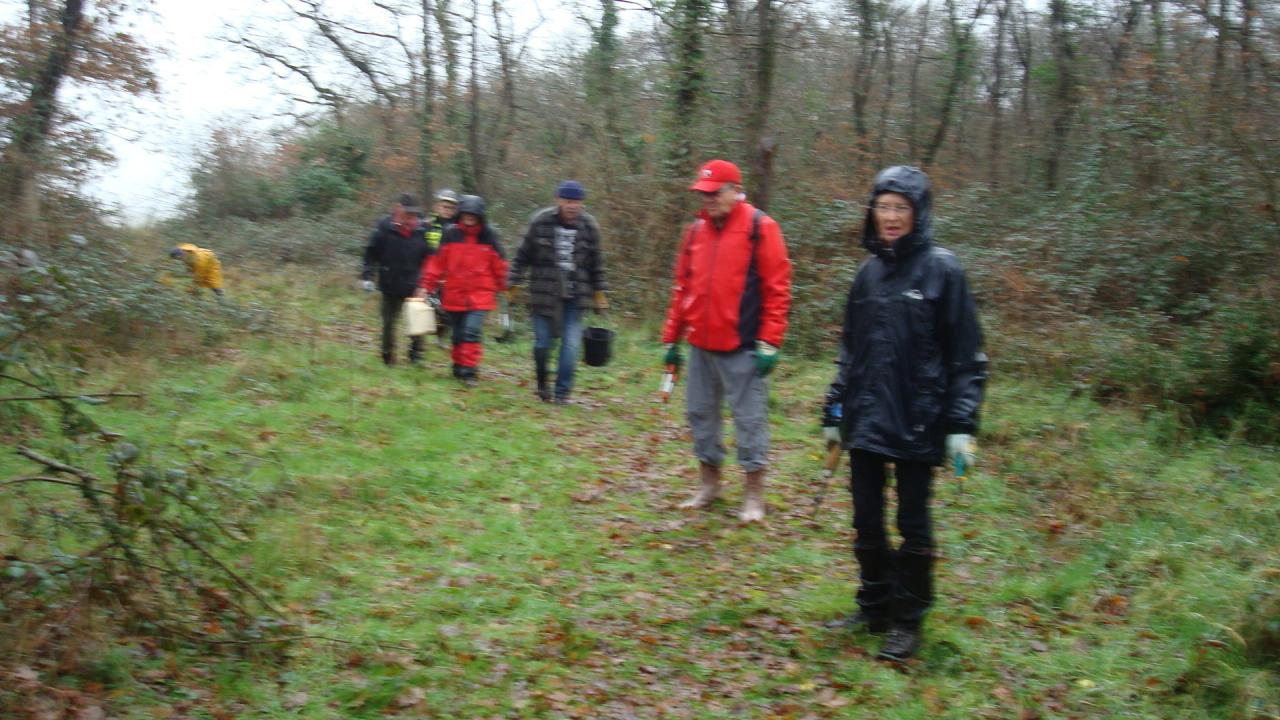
[{"x": 597, "y": 346}]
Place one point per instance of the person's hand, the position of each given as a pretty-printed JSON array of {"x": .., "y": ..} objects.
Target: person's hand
[
  {"x": 602, "y": 302},
  {"x": 420, "y": 293},
  {"x": 960, "y": 452},
  {"x": 672, "y": 356},
  {"x": 832, "y": 412},
  {"x": 766, "y": 358},
  {"x": 367, "y": 285}
]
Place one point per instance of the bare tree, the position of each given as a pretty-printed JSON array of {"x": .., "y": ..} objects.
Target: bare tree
[
  {"x": 761, "y": 144},
  {"x": 1064, "y": 94},
  {"x": 865, "y": 12},
  {"x": 960, "y": 37},
  {"x": 22, "y": 156},
  {"x": 889, "y": 31},
  {"x": 274, "y": 53},
  {"x": 913, "y": 90},
  {"x": 995, "y": 94},
  {"x": 426, "y": 124}
]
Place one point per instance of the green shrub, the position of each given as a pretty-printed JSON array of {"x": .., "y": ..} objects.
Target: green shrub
[{"x": 1221, "y": 374}]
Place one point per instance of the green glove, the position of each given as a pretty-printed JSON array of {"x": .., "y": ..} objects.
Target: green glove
[
  {"x": 672, "y": 356},
  {"x": 766, "y": 357}
]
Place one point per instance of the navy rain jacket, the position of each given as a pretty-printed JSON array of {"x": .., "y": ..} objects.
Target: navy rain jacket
[{"x": 910, "y": 368}]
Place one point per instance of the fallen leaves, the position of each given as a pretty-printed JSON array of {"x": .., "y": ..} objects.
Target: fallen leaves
[{"x": 411, "y": 697}]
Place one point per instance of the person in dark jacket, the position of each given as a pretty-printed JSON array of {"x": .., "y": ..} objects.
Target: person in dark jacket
[
  {"x": 394, "y": 256},
  {"x": 561, "y": 251},
  {"x": 468, "y": 271},
  {"x": 909, "y": 382},
  {"x": 729, "y": 299}
]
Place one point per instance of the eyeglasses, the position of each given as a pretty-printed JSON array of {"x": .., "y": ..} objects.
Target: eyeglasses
[{"x": 892, "y": 209}]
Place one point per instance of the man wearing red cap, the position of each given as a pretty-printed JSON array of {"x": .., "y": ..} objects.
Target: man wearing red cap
[{"x": 730, "y": 298}]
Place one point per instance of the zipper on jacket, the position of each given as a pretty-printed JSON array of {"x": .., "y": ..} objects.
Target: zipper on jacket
[{"x": 711, "y": 276}]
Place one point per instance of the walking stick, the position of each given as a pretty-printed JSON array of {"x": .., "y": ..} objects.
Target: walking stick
[{"x": 830, "y": 464}]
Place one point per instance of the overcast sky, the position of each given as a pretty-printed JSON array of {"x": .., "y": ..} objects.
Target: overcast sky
[{"x": 205, "y": 82}]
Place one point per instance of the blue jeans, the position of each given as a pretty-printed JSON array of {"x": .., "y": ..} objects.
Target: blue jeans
[
  {"x": 570, "y": 343},
  {"x": 467, "y": 325}
]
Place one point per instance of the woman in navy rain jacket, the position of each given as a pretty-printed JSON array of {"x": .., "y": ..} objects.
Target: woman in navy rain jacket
[{"x": 910, "y": 380}]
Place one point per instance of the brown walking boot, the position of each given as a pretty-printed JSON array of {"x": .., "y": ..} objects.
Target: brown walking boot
[
  {"x": 710, "y": 490},
  {"x": 753, "y": 497}
]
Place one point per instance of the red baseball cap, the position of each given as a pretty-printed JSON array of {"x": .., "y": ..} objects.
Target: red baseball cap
[{"x": 714, "y": 174}]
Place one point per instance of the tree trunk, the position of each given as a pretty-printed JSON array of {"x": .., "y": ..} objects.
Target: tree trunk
[
  {"x": 20, "y": 168},
  {"x": 886, "y": 102},
  {"x": 504, "y": 124},
  {"x": 426, "y": 129},
  {"x": 864, "y": 67},
  {"x": 455, "y": 127},
  {"x": 995, "y": 142},
  {"x": 913, "y": 86},
  {"x": 1063, "y": 93},
  {"x": 1121, "y": 48},
  {"x": 1157, "y": 47},
  {"x": 602, "y": 89},
  {"x": 473, "y": 177},
  {"x": 1249, "y": 59},
  {"x": 961, "y": 48},
  {"x": 761, "y": 144},
  {"x": 688, "y": 79}
]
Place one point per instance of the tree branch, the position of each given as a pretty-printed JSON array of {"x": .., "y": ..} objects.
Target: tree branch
[{"x": 71, "y": 397}]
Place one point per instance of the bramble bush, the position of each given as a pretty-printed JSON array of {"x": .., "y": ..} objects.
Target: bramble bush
[{"x": 102, "y": 533}]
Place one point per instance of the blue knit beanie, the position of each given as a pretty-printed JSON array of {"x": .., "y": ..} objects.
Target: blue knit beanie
[{"x": 571, "y": 190}]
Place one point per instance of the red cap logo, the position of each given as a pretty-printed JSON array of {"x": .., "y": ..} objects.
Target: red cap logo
[{"x": 714, "y": 174}]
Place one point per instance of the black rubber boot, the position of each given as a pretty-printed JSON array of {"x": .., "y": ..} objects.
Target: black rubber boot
[
  {"x": 467, "y": 375},
  {"x": 900, "y": 644},
  {"x": 540, "y": 357},
  {"x": 913, "y": 595},
  {"x": 388, "y": 359},
  {"x": 875, "y": 594},
  {"x": 860, "y": 622}
]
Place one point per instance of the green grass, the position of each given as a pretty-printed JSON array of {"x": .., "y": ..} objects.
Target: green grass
[{"x": 480, "y": 554}]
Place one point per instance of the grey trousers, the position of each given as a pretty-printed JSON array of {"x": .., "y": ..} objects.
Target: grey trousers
[{"x": 718, "y": 377}]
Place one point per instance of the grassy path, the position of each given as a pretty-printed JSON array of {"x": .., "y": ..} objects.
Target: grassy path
[{"x": 485, "y": 555}]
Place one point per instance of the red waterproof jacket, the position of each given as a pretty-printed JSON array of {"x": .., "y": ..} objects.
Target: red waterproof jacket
[
  {"x": 730, "y": 291},
  {"x": 471, "y": 267}
]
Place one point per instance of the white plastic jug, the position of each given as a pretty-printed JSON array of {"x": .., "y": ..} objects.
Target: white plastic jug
[{"x": 419, "y": 317}]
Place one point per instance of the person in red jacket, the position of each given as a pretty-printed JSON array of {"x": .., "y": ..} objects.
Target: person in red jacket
[
  {"x": 468, "y": 269},
  {"x": 730, "y": 299}
]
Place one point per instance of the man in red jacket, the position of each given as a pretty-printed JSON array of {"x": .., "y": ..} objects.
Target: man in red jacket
[{"x": 730, "y": 299}]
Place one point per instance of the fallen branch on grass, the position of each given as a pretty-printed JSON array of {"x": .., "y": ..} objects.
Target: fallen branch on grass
[{"x": 77, "y": 396}]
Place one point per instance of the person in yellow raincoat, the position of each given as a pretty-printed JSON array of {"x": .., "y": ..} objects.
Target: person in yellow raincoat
[{"x": 206, "y": 271}]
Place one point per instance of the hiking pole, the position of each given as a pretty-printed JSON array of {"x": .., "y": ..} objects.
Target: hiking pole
[{"x": 668, "y": 382}]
